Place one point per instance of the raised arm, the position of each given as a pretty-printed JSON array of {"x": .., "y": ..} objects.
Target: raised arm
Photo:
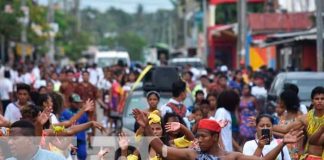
[
  {"x": 291, "y": 137},
  {"x": 176, "y": 126},
  {"x": 75, "y": 129},
  {"x": 88, "y": 106},
  {"x": 299, "y": 123},
  {"x": 169, "y": 153}
]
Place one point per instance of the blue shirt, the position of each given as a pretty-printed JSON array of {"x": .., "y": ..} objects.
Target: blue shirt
[
  {"x": 67, "y": 114},
  {"x": 42, "y": 154}
]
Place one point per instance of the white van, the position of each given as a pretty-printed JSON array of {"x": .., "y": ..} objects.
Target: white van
[{"x": 109, "y": 58}]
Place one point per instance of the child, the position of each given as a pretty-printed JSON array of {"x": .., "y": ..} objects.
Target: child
[{"x": 13, "y": 113}]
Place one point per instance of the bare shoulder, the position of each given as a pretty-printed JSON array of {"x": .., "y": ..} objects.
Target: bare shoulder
[{"x": 303, "y": 119}]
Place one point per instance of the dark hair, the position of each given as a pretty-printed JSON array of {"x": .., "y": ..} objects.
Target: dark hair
[
  {"x": 228, "y": 99},
  {"x": 40, "y": 88},
  {"x": 204, "y": 76},
  {"x": 171, "y": 114},
  {"x": 317, "y": 90},
  {"x": 165, "y": 138},
  {"x": 291, "y": 100},
  {"x": 259, "y": 117},
  {"x": 153, "y": 93},
  {"x": 222, "y": 76},
  {"x": 212, "y": 94},
  {"x": 30, "y": 111},
  {"x": 23, "y": 86},
  {"x": 7, "y": 74},
  {"x": 291, "y": 86},
  {"x": 85, "y": 71},
  {"x": 69, "y": 71},
  {"x": 236, "y": 73},
  {"x": 204, "y": 101},
  {"x": 190, "y": 73},
  {"x": 57, "y": 102},
  {"x": 199, "y": 92},
  {"x": 196, "y": 110},
  {"x": 27, "y": 128},
  {"x": 178, "y": 87},
  {"x": 41, "y": 99}
]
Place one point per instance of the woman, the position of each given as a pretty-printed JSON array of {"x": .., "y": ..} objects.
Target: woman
[
  {"x": 227, "y": 104},
  {"x": 212, "y": 99},
  {"x": 258, "y": 146},
  {"x": 181, "y": 137},
  {"x": 247, "y": 109},
  {"x": 156, "y": 126},
  {"x": 289, "y": 102},
  {"x": 237, "y": 82},
  {"x": 153, "y": 99}
]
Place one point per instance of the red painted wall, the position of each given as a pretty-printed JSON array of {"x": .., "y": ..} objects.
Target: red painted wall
[{"x": 309, "y": 56}]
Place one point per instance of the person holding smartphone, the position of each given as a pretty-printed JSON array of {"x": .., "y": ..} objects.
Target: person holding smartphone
[{"x": 264, "y": 141}]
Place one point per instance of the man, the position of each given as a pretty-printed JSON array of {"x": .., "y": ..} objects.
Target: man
[
  {"x": 312, "y": 121},
  {"x": 6, "y": 89},
  {"x": 24, "y": 146},
  {"x": 67, "y": 114},
  {"x": 67, "y": 87},
  {"x": 208, "y": 136},
  {"x": 88, "y": 91},
  {"x": 175, "y": 104},
  {"x": 12, "y": 113},
  {"x": 203, "y": 85}
]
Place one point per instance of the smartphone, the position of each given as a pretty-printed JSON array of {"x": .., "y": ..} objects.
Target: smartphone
[{"x": 266, "y": 134}]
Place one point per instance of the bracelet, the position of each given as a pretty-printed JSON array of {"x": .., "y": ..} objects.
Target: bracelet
[{"x": 164, "y": 151}]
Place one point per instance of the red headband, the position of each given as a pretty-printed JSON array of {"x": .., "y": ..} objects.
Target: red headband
[{"x": 210, "y": 125}]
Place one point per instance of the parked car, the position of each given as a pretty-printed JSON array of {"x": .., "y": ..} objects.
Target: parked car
[{"x": 306, "y": 82}]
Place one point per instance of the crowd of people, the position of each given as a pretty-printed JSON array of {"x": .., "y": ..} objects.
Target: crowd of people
[{"x": 229, "y": 118}]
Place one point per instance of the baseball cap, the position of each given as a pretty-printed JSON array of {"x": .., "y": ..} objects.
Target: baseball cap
[{"x": 76, "y": 98}]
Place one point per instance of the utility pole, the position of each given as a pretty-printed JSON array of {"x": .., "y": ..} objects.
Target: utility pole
[
  {"x": 319, "y": 25},
  {"x": 51, "y": 42},
  {"x": 242, "y": 29},
  {"x": 170, "y": 31},
  {"x": 205, "y": 54},
  {"x": 185, "y": 25},
  {"x": 24, "y": 21}
]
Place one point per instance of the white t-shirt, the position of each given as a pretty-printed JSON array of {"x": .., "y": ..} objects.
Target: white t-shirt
[
  {"x": 259, "y": 91},
  {"x": 6, "y": 87},
  {"x": 12, "y": 113},
  {"x": 39, "y": 83},
  {"x": 250, "y": 147},
  {"x": 226, "y": 133},
  {"x": 93, "y": 76},
  {"x": 303, "y": 108},
  {"x": 104, "y": 84},
  {"x": 53, "y": 119}
]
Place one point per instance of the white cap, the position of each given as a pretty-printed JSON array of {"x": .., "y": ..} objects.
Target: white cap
[{"x": 223, "y": 68}]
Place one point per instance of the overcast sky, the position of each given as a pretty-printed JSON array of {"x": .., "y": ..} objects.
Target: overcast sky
[{"x": 126, "y": 5}]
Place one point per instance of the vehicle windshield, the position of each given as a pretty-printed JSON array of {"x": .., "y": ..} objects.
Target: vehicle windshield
[
  {"x": 109, "y": 61},
  {"x": 306, "y": 86},
  {"x": 139, "y": 101}
]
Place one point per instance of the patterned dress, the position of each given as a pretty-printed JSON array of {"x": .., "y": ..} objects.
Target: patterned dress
[
  {"x": 247, "y": 110},
  {"x": 292, "y": 148}
]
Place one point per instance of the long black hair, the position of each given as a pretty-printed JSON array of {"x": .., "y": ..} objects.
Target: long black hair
[{"x": 166, "y": 138}]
